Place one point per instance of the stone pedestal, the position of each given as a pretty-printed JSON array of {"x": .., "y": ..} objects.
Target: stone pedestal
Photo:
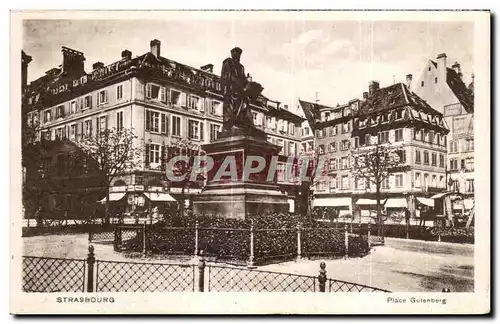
[{"x": 232, "y": 198}]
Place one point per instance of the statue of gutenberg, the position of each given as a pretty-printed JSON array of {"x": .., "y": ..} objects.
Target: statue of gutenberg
[{"x": 236, "y": 111}]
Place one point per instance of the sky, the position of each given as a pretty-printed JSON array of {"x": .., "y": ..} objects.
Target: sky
[{"x": 331, "y": 60}]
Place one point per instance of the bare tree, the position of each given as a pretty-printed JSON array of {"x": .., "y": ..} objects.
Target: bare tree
[
  {"x": 113, "y": 152},
  {"x": 375, "y": 163}
]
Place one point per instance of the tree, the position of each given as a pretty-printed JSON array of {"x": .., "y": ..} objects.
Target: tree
[
  {"x": 113, "y": 152},
  {"x": 375, "y": 163},
  {"x": 184, "y": 147}
]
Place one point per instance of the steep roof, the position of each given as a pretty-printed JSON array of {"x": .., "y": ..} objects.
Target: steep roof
[
  {"x": 312, "y": 112},
  {"x": 394, "y": 96},
  {"x": 464, "y": 95}
]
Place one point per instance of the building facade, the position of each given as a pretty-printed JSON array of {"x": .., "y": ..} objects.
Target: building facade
[
  {"x": 444, "y": 89},
  {"x": 392, "y": 116},
  {"x": 161, "y": 100}
]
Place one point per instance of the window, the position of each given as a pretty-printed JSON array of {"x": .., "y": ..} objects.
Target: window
[
  {"x": 434, "y": 159},
  {"x": 88, "y": 102},
  {"x": 438, "y": 139},
  {"x": 319, "y": 133},
  {"x": 426, "y": 158},
  {"x": 399, "y": 114},
  {"x": 154, "y": 153},
  {"x": 73, "y": 107},
  {"x": 470, "y": 145},
  {"x": 462, "y": 164},
  {"x": 215, "y": 108},
  {"x": 156, "y": 92},
  {"x": 435, "y": 80},
  {"x": 306, "y": 131},
  {"x": 59, "y": 111},
  {"x": 357, "y": 183},
  {"x": 399, "y": 180},
  {"x": 176, "y": 126},
  {"x": 399, "y": 134},
  {"x": 72, "y": 131},
  {"x": 344, "y": 163},
  {"x": 453, "y": 146},
  {"x": 434, "y": 181},
  {"x": 119, "y": 120},
  {"x": 441, "y": 182},
  {"x": 425, "y": 136},
  {"x": 368, "y": 139},
  {"x": 431, "y": 137},
  {"x": 269, "y": 122},
  {"x": 214, "y": 132},
  {"x": 418, "y": 158},
  {"x": 333, "y": 147},
  {"x": 194, "y": 103},
  {"x": 345, "y": 182},
  {"x": 292, "y": 148},
  {"x": 418, "y": 182},
  {"x": 346, "y": 128},
  {"x": 102, "y": 123},
  {"x": 88, "y": 127},
  {"x": 422, "y": 83},
  {"x": 469, "y": 186},
  {"x": 453, "y": 164},
  {"x": 333, "y": 182},
  {"x": 327, "y": 116},
  {"x": 195, "y": 130},
  {"x": 441, "y": 160},
  {"x": 279, "y": 142},
  {"x": 47, "y": 116},
  {"x": 291, "y": 129},
  {"x": 344, "y": 145},
  {"x": 384, "y": 118},
  {"x": 356, "y": 142},
  {"x": 385, "y": 183},
  {"x": 402, "y": 156},
  {"x": 119, "y": 92},
  {"x": 321, "y": 149},
  {"x": 156, "y": 122},
  {"x": 383, "y": 137},
  {"x": 176, "y": 98},
  {"x": 333, "y": 164},
  {"x": 102, "y": 97},
  {"x": 426, "y": 180}
]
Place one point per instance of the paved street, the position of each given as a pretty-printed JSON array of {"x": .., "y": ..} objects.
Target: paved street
[{"x": 399, "y": 267}]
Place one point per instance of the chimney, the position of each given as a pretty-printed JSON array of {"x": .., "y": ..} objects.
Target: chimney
[
  {"x": 208, "y": 68},
  {"x": 409, "y": 77},
  {"x": 441, "y": 66},
  {"x": 155, "y": 47},
  {"x": 97, "y": 65},
  {"x": 285, "y": 107},
  {"x": 456, "y": 68},
  {"x": 365, "y": 95},
  {"x": 374, "y": 86},
  {"x": 25, "y": 60},
  {"x": 126, "y": 54},
  {"x": 73, "y": 61}
]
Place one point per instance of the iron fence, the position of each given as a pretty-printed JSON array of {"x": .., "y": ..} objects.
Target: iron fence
[
  {"x": 231, "y": 279},
  {"x": 114, "y": 276},
  {"x": 53, "y": 274},
  {"x": 344, "y": 286}
]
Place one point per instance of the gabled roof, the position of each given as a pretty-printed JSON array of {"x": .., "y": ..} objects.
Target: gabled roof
[
  {"x": 312, "y": 112},
  {"x": 392, "y": 97},
  {"x": 464, "y": 95}
]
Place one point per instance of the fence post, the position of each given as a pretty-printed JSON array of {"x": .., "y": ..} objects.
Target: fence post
[
  {"x": 201, "y": 273},
  {"x": 322, "y": 277},
  {"x": 90, "y": 267},
  {"x": 250, "y": 263},
  {"x": 144, "y": 238},
  {"x": 299, "y": 243},
  {"x": 90, "y": 232},
  {"x": 369, "y": 233},
  {"x": 196, "y": 238},
  {"x": 346, "y": 241}
]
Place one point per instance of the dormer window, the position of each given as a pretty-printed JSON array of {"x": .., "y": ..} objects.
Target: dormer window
[
  {"x": 60, "y": 112},
  {"x": 155, "y": 92}
]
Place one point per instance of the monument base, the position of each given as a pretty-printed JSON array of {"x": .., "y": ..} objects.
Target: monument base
[{"x": 237, "y": 198}]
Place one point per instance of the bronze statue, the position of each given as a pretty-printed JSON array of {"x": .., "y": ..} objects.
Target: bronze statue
[{"x": 238, "y": 91}]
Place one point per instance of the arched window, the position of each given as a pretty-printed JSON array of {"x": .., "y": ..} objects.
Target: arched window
[{"x": 119, "y": 183}]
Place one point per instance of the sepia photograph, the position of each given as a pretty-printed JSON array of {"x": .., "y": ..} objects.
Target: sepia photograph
[{"x": 198, "y": 152}]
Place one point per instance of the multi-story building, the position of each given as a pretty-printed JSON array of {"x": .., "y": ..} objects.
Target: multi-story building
[
  {"x": 159, "y": 99},
  {"x": 397, "y": 117},
  {"x": 445, "y": 90},
  {"x": 332, "y": 129},
  {"x": 394, "y": 116}
]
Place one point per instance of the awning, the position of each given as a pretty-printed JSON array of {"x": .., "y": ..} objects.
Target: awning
[
  {"x": 396, "y": 203},
  {"x": 113, "y": 196},
  {"x": 332, "y": 202},
  {"x": 440, "y": 195},
  {"x": 426, "y": 201},
  {"x": 291, "y": 205},
  {"x": 160, "y": 197},
  {"x": 364, "y": 201}
]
